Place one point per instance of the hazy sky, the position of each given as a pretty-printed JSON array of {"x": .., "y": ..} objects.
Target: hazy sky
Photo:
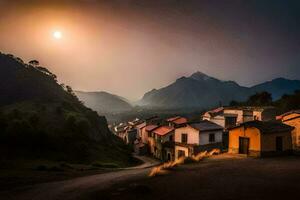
[{"x": 129, "y": 47}]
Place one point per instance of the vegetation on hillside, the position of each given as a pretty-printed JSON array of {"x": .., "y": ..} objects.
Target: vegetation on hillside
[
  {"x": 41, "y": 119},
  {"x": 286, "y": 103}
]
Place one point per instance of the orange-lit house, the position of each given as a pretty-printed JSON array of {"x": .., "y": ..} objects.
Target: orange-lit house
[
  {"x": 292, "y": 118},
  {"x": 258, "y": 138}
]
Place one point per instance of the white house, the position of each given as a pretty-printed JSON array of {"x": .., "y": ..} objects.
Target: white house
[
  {"x": 228, "y": 117},
  {"x": 196, "y": 137}
]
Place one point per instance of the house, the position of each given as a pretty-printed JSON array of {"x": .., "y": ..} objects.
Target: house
[
  {"x": 292, "y": 118},
  {"x": 148, "y": 137},
  {"x": 260, "y": 138},
  {"x": 231, "y": 116},
  {"x": 164, "y": 143},
  {"x": 250, "y": 113},
  {"x": 139, "y": 129},
  {"x": 130, "y": 135},
  {"x": 196, "y": 137},
  {"x": 120, "y": 129},
  {"x": 176, "y": 121}
]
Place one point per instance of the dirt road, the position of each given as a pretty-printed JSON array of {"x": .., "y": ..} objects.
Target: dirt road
[{"x": 72, "y": 189}]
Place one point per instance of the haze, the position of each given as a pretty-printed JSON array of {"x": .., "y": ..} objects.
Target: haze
[{"x": 129, "y": 47}]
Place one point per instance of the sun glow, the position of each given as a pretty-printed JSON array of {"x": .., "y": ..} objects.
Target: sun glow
[{"x": 57, "y": 35}]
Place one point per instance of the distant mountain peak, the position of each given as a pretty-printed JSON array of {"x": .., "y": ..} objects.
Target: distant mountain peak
[
  {"x": 203, "y": 91},
  {"x": 181, "y": 78},
  {"x": 200, "y": 76}
]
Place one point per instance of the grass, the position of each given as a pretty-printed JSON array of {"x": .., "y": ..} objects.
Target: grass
[
  {"x": 19, "y": 173},
  {"x": 165, "y": 167}
]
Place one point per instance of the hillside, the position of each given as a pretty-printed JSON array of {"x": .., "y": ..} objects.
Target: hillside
[
  {"x": 278, "y": 87},
  {"x": 40, "y": 119},
  {"x": 104, "y": 102},
  {"x": 202, "y": 91}
]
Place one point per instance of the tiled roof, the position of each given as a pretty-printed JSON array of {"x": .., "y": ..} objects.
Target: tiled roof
[
  {"x": 151, "y": 127},
  {"x": 180, "y": 120},
  {"x": 287, "y": 113},
  {"x": 267, "y": 126},
  {"x": 163, "y": 130},
  {"x": 172, "y": 119},
  {"x": 216, "y": 111},
  {"x": 205, "y": 125}
]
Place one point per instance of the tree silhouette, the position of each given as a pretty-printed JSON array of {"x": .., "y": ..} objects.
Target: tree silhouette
[
  {"x": 34, "y": 63},
  {"x": 260, "y": 99}
]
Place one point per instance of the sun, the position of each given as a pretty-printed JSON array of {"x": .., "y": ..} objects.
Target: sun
[{"x": 57, "y": 35}]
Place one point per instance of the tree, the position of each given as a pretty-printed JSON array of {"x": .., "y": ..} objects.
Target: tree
[
  {"x": 46, "y": 71},
  {"x": 233, "y": 103},
  {"x": 34, "y": 63},
  {"x": 70, "y": 90},
  {"x": 260, "y": 99}
]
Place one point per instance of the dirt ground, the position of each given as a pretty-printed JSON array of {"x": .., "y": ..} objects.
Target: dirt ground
[
  {"x": 48, "y": 185},
  {"x": 222, "y": 177}
]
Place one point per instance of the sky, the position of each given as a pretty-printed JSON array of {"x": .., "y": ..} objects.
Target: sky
[{"x": 128, "y": 47}]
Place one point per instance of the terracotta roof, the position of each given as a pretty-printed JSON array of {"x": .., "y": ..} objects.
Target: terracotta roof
[
  {"x": 267, "y": 126},
  {"x": 172, "y": 119},
  {"x": 180, "y": 120},
  {"x": 151, "y": 127},
  {"x": 215, "y": 112},
  {"x": 205, "y": 125},
  {"x": 163, "y": 130},
  {"x": 287, "y": 113}
]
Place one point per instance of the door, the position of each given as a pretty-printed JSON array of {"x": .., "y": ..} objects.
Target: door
[
  {"x": 243, "y": 145},
  {"x": 279, "y": 144},
  {"x": 169, "y": 157},
  {"x": 181, "y": 153}
]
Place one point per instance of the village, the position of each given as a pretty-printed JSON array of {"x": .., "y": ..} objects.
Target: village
[{"x": 245, "y": 130}]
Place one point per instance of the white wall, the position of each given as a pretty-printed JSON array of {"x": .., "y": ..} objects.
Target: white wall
[
  {"x": 204, "y": 137},
  {"x": 193, "y": 134},
  {"x": 220, "y": 120},
  {"x": 258, "y": 115},
  {"x": 239, "y": 114}
]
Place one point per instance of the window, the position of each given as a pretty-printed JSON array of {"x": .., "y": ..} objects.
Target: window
[
  {"x": 184, "y": 138},
  {"x": 211, "y": 137},
  {"x": 171, "y": 138},
  {"x": 230, "y": 122},
  {"x": 149, "y": 134}
]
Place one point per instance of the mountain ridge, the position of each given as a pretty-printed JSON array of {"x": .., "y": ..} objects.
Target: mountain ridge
[
  {"x": 203, "y": 91},
  {"x": 104, "y": 102}
]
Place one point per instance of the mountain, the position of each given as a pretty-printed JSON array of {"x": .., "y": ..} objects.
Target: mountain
[
  {"x": 40, "y": 119},
  {"x": 198, "y": 90},
  {"x": 104, "y": 102},
  {"x": 278, "y": 87},
  {"x": 202, "y": 91}
]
